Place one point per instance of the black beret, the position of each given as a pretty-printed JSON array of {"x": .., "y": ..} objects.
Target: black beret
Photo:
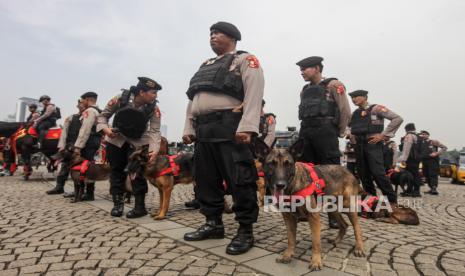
[
  {"x": 310, "y": 62},
  {"x": 227, "y": 29},
  {"x": 357, "y": 93},
  {"x": 410, "y": 127},
  {"x": 424, "y": 132},
  {"x": 44, "y": 97},
  {"x": 89, "y": 94},
  {"x": 148, "y": 84}
]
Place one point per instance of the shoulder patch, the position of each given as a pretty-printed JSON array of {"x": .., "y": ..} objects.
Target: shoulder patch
[
  {"x": 253, "y": 61},
  {"x": 157, "y": 112},
  {"x": 341, "y": 89},
  {"x": 85, "y": 114},
  {"x": 382, "y": 108}
]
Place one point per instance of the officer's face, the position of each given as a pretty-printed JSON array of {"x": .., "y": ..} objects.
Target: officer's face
[
  {"x": 221, "y": 43},
  {"x": 32, "y": 109},
  {"x": 81, "y": 107},
  {"x": 359, "y": 100},
  {"x": 308, "y": 73},
  {"x": 45, "y": 102},
  {"x": 149, "y": 96}
]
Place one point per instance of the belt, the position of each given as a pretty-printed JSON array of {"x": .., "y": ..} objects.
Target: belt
[
  {"x": 317, "y": 121},
  {"x": 213, "y": 116}
]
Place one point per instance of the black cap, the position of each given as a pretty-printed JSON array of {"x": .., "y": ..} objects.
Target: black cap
[
  {"x": 424, "y": 132},
  {"x": 227, "y": 29},
  {"x": 89, "y": 94},
  {"x": 44, "y": 97},
  {"x": 410, "y": 127},
  {"x": 310, "y": 62},
  {"x": 32, "y": 105},
  {"x": 357, "y": 93},
  {"x": 148, "y": 84}
]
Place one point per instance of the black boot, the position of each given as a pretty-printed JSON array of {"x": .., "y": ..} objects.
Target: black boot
[
  {"x": 212, "y": 229},
  {"x": 194, "y": 204},
  {"x": 332, "y": 222},
  {"x": 139, "y": 207},
  {"x": 242, "y": 242},
  {"x": 89, "y": 195},
  {"x": 434, "y": 191},
  {"x": 57, "y": 190},
  {"x": 118, "y": 205}
]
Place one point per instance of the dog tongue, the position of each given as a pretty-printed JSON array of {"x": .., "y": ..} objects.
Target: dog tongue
[{"x": 278, "y": 194}]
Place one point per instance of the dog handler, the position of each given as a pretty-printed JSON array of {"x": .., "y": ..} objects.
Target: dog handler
[
  {"x": 367, "y": 126},
  {"x": 222, "y": 133},
  {"x": 137, "y": 121}
]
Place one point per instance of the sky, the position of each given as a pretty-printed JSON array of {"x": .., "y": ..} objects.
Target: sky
[{"x": 409, "y": 55}]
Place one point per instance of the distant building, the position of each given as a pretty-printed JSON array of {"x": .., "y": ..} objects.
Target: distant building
[{"x": 21, "y": 108}]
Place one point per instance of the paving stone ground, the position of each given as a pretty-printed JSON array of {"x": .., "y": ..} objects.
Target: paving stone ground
[{"x": 47, "y": 235}]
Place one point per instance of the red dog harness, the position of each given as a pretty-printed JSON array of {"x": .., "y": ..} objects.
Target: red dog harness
[
  {"x": 370, "y": 203},
  {"x": 173, "y": 168},
  {"x": 82, "y": 168},
  {"x": 261, "y": 174},
  {"x": 316, "y": 184}
]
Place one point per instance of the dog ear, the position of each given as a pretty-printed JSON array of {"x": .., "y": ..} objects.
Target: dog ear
[
  {"x": 297, "y": 149},
  {"x": 261, "y": 149}
]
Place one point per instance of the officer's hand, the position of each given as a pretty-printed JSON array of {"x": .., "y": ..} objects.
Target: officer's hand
[
  {"x": 188, "y": 139},
  {"x": 243, "y": 137},
  {"x": 108, "y": 132},
  {"x": 375, "y": 139}
]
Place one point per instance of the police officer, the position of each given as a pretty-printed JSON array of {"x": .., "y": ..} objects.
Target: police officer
[
  {"x": 223, "y": 131},
  {"x": 88, "y": 140},
  {"x": 48, "y": 117},
  {"x": 137, "y": 121},
  {"x": 267, "y": 126},
  {"x": 367, "y": 126},
  {"x": 431, "y": 161},
  {"x": 69, "y": 134},
  {"x": 324, "y": 113},
  {"x": 33, "y": 114},
  {"x": 410, "y": 159}
]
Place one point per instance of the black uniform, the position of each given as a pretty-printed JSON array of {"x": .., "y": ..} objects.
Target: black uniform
[
  {"x": 370, "y": 157},
  {"x": 319, "y": 115}
]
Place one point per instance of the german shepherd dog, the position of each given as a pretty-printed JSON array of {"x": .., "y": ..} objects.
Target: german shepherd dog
[
  {"x": 95, "y": 171},
  {"x": 286, "y": 176},
  {"x": 139, "y": 164},
  {"x": 399, "y": 215}
]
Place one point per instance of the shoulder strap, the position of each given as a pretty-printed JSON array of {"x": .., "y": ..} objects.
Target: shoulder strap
[
  {"x": 96, "y": 108},
  {"x": 326, "y": 81}
]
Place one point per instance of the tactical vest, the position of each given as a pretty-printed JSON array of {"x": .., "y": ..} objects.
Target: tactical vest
[
  {"x": 361, "y": 123},
  {"x": 131, "y": 121},
  {"x": 73, "y": 129},
  {"x": 317, "y": 102},
  {"x": 214, "y": 76},
  {"x": 54, "y": 116},
  {"x": 75, "y": 126},
  {"x": 264, "y": 126}
]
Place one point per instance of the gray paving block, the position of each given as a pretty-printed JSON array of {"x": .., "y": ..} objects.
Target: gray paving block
[
  {"x": 162, "y": 225},
  {"x": 267, "y": 264},
  {"x": 254, "y": 253},
  {"x": 178, "y": 234}
]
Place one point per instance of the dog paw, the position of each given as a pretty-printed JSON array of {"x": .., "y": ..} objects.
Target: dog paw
[
  {"x": 314, "y": 266},
  {"x": 359, "y": 253},
  {"x": 284, "y": 260}
]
